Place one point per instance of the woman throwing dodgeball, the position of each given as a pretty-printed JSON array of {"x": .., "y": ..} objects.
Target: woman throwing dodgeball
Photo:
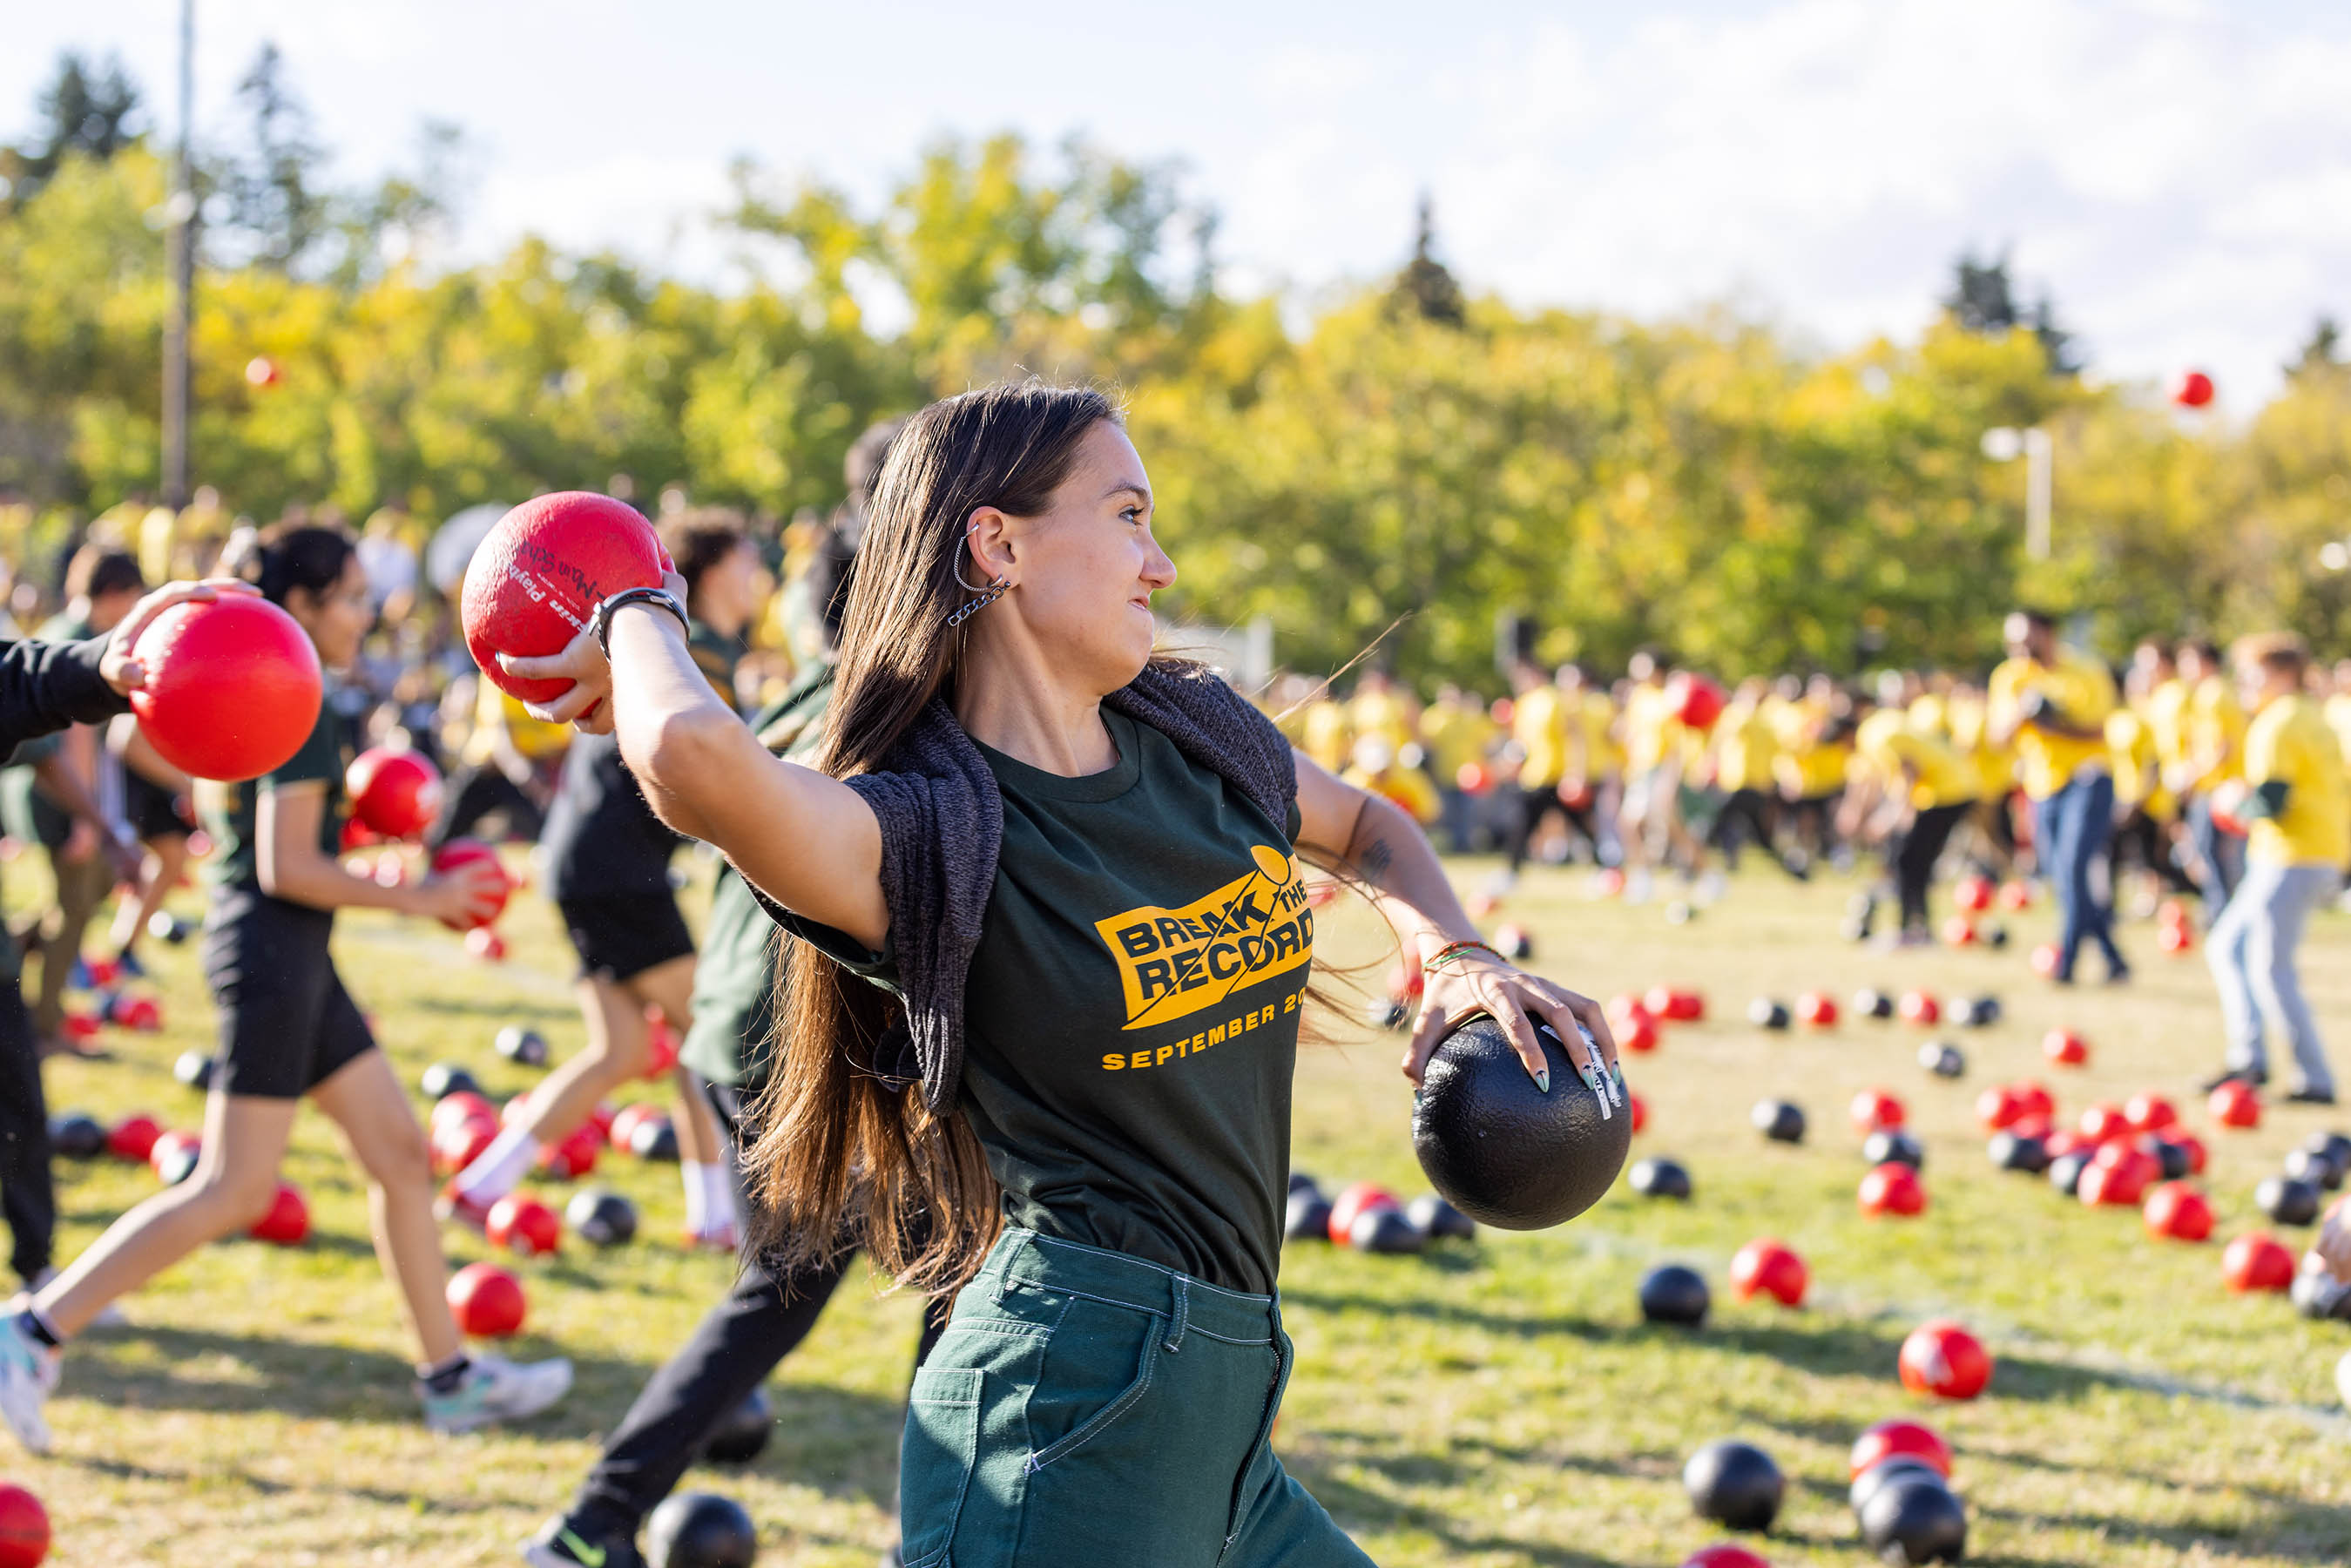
[
  {"x": 1069, "y": 871},
  {"x": 288, "y": 1030}
]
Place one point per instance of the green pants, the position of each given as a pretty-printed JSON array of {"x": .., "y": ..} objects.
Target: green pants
[{"x": 1086, "y": 1406}]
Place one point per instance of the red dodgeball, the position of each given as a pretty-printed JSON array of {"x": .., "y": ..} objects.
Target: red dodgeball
[
  {"x": 1943, "y": 1358},
  {"x": 485, "y": 944},
  {"x": 1695, "y": 700},
  {"x": 1640, "y": 1109},
  {"x": 1873, "y": 1111},
  {"x": 2045, "y": 960},
  {"x": 1919, "y": 1008},
  {"x": 2197, "y": 1157},
  {"x": 2118, "y": 1176},
  {"x": 574, "y": 1155},
  {"x": 395, "y": 794},
  {"x": 2235, "y": 1104},
  {"x": 2063, "y": 1048},
  {"x": 168, "y": 1145},
  {"x": 459, "y": 852},
  {"x": 460, "y": 1141},
  {"x": 2177, "y": 1212},
  {"x": 2015, "y": 896},
  {"x": 23, "y": 1528},
  {"x": 2032, "y": 1100},
  {"x": 2256, "y": 1261},
  {"x": 537, "y": 579},
  {"x": 1958, "y": 931},
  {"x": 2193, "y": 390},
  {"x": 2149, "y": 1113},
  {"x": 134, "y": 1138},
  {"x": 2102, "y": 1123},
  {"x": 1892, "y": 1188},
  {"x": 1893, "y": 1439},
  {"x": 232, "y": 687},
  {"x": 486, "y": 1301},
  {"x": 1999, "y": 1108},
  {"x": 287, "y": 1221},
  {"x": 2176, "y": 940},
  {"x": 1725, "y": 1554},
  {"x": 1769, "y": 1268},
  {"x": 623, "y": 1127},
  {"x": 1816, "y": 1009},
  {"x": 1357, "y": 1198},
  {"x": 661, "y": 1045},
  {"x": 520, "y": 1223},
  {"x": 1972, "y": 895}
]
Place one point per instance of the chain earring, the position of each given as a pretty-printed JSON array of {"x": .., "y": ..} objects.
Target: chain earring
[{"x": 995, "y": 591}]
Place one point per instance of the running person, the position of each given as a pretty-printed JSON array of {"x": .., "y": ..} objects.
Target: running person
[
  {"x": 1076, "y": 867},
  {"x": 609, "y": 873},
  {"x": 289, "y": 1031}
]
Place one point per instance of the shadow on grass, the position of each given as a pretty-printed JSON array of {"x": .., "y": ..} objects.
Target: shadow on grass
[
  {"x": 2295, "y": 1529},
  {"x": 1360, "y": 1511}
]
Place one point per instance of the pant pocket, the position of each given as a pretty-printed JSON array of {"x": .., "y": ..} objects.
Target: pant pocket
[
  {"x": 1098, "y": 1368},
  {"x": 935, "y": 1459}
]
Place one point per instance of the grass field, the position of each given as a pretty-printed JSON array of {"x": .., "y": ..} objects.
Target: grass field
[{"x": 1494, "y": 1404}]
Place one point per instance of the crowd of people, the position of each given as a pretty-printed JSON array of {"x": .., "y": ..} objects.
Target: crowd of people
[{"x": 951, "y": 800}]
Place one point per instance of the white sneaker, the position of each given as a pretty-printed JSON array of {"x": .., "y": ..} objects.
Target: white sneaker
[
  {"x": 28, "y": 1375},
  {"x": 496, "y": 1390}
]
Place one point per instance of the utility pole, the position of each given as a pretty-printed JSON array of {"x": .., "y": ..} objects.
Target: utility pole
[
  {"x": 180, "y": 260},
  {"x": 2005, "y": 444}
]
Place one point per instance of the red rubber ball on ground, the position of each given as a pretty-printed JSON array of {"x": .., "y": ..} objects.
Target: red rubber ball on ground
[
  {"x": 287, "y": 1223},
  {"x": 1357, "y": 1198},
  {"x": 1769, "y": 1268},
  {"x": 1911, "y": 1440},
  {"x": 1727, "y": 1554},
  {"x": 134, "y": 1138},
  {"x": 520, "y": 1223},
  {"x": 23, "y": 1528},
  {"x": 1943, "y": 1359},
  {"x": 486, "y": 1301},
  {"x": 2235, "y": 1104},
  {"x": 233, "y": 686},
  {"x": 2177, "y": 1212},
  {"x": 2257, "y": 1261},
  {"x": 1874, "y": 1109},
  {"x": 396, "y": 794},
  {"x": 541, "y": 573},
  {"x": 1892, "y": 1188}
]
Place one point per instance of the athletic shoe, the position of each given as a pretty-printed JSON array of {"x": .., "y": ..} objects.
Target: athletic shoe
[
  {"x": 2245, "y": 1075},
  {"x": 28, "y": 1375},
  {"x": 128, "y": 965},
  {"x": 563, "y": 1545},
  {"x": 469, "y": 1212},
  {"x": 2312, "y": 1096},
  {"x": 496, "y": 1389},
  {"x": 723, "y": 1239}
]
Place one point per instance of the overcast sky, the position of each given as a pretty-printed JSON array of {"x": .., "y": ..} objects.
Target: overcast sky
[{"x": 2178, "y": 173}]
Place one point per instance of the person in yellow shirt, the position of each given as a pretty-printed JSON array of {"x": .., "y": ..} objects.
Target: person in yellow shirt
[
  {"x": 2339, "y": 708},
  {"x": 1381, "y": 707},
  {"x": 2295, "y": 795},
  {"x": 1816, "y": 731},
  {"x": 1545, "y": 732},
  {"x": 2052, "y": 702},
  {"x": 2211, "y": 751},
  {"x": 1377, "y": 767},
  {"x": 1970, "y": 730},
  {"x": 509, "y": 766},
  {"x": 1328, "y": 737},
  {"x": 1456, "y": 735},
  {"x": 1746, "y": 751},
  {"x": 2144, "y": 830},
  {"x": 1909, "y": 789}
]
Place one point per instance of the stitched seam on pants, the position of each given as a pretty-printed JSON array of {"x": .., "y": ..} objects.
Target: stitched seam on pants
[{"x": 1108, "y": 1415}]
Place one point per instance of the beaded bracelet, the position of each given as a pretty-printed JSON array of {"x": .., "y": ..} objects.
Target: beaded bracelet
[{"x": 1452, "y": 950}]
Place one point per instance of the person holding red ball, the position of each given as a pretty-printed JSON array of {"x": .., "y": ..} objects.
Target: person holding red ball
[{"x": 288, "y": 1030}]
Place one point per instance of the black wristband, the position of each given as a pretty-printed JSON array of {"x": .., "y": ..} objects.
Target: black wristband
[{"x": 600, "y": 622}]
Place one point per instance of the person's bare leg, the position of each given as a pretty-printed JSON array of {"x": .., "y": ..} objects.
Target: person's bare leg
[
  {"x": 364, "y": 1098},
  {"x": 244, "y": 1142},
  {"x": 670, "y": 987},
  {"x": 620, "y": 1047}
]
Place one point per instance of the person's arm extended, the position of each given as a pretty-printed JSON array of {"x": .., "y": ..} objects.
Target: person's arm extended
[
  {"x": 1373, "y": 841},
  {"x": 293, "y": 867},
  {"x": 807, "y": 841},
  {"x": 66, "y": 785}
]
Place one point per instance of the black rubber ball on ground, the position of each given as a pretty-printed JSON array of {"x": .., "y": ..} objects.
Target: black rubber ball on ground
[
  {"x": 1866, "y": 1484},
  {"x": 2317, "y": 1293},
  {"x": 1943, "y": 1058},
  {"x": 1384, "y": 1229},
  {"x": 1765, "y": 1013},
  {"x": 1437, "y": 1220},
  {"x": 1871, "y": 1004},
  {"x": 1983, "y": 1011},
  {"x": 1301, "y": 1182},
  {"x": 1734, "y": 1484},
  {"x": 1502, "y": 1151},
  {"x": 700, "y": 1529},
  {"x": 2065, "y": 1172},
  {"x": 1915, "y": 1519},
  {"x": 1671, "y": 1293},
  {"x": 1661, "y": 1178},
  {"x": 742, "y": 1432},
  {"x": 1996, "y": 938},
  {"x": 444, "y": 1079},
  {"x": 1779, "y": 1120},
  {"x": 654, "y": 1139},
  {"x": 2314, "y": 1166},
  {"x": 179, "y": 1164},
  {"x": 2170, "y": 1158},
  {"x": 1680, "y": 914},
  {"x": 1307, "y": 1218},
  {"x": 77, "y": 1135},
  {"x": 2286, "y": 1200},
  {"x": 600, "y": 1217},
  {"x": 168, "y": 928},
  {"x": 2334, "y": 1146},
  {"x": 526, "y": 1047},
  {"x": 2022, "y": 1152},
  {"x": 1892, "y": 1144},
  {"x": 193, "y": 1069}
]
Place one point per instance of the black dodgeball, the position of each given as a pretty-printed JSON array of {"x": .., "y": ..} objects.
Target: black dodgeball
[{"x": 1502, "y": 1151}]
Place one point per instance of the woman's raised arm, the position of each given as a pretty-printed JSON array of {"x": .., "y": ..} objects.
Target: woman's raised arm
[{"x": 807, "y": 841}]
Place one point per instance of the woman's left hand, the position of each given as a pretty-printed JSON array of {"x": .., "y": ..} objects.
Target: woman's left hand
[{"x": 1477, "y": 982}]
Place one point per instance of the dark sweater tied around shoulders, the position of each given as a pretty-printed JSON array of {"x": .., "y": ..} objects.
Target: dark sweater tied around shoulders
[{"x": 943, "y": 825}]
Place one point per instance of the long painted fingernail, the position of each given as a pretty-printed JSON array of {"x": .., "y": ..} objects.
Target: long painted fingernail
[{"x": 1542, "y": 1079}]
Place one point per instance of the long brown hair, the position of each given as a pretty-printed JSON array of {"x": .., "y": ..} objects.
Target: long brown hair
[{"x": 842, "y": 1155}]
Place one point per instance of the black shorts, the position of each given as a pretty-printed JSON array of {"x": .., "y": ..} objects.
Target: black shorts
[
  {"x": 622, "y": 935},
  {"x": 147, "y": 807},
  {"x": 287, "y": 1024}
]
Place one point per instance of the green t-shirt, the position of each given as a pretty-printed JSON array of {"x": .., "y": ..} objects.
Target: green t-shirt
[
  {"x": 1131, "y": 1023},
  {"x": 735, "y": 974},
  {"x": 231, "y": 811}
]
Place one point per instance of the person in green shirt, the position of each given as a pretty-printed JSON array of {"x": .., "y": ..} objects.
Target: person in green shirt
[
  {"x": 1073, "y": 871},
  {"x": 289, "y": 1031}
]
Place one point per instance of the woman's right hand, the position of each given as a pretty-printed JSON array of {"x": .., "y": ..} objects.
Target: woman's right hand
[
  {"x": 587, "y": 705},
  {"x": 463, "y": 896}
]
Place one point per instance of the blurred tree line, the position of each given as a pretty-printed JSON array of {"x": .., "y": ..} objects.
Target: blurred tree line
[{"x": 1405, "y": 450}]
